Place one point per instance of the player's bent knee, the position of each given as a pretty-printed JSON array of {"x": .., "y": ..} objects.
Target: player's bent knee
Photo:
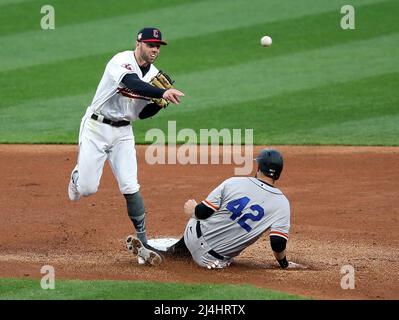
[{"x": 130, "y": 189}]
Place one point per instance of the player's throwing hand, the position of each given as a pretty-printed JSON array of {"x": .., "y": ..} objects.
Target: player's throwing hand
[{"x": 173, "y": 95}]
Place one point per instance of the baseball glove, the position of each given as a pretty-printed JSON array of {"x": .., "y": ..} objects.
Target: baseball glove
[{"x": 163, "y": 81}]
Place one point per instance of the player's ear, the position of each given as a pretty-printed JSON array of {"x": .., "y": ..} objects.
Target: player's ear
[{"x": 258, "y": 171}]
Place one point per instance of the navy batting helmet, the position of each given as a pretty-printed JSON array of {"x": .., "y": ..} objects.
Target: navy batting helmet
[{"x": 270, "y": 163}]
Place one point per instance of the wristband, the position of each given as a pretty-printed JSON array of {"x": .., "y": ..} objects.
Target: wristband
[{"x": 283, "y": 263}]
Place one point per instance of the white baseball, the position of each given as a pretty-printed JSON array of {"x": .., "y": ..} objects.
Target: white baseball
[{"x": 266, "y": 41}]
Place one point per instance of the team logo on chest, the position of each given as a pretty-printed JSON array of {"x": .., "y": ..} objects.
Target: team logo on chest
[{"x": 127, "y": 66}]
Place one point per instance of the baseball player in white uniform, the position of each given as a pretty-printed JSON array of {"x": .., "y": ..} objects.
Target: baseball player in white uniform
[
  {"x": 235, "y": 215},
  {"x": 123, "y": 95}
]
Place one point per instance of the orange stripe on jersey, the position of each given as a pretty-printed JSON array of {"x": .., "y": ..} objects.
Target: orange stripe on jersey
[
  {"x": 210, "y": 205},
  {"x": 130, "y": 94},
  {"x": 278, "y": 233}
]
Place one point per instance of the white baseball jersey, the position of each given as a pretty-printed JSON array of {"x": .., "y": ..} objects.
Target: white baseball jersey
[
  {"x": 112, "y": 99},
  {"x": 245, "y": 208}
]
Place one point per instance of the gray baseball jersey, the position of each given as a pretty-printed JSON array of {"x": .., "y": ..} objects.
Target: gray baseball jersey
[{"x": 245, "y": 208}]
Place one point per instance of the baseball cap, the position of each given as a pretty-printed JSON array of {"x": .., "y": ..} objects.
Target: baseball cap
[{"x": 150, "y": 34}]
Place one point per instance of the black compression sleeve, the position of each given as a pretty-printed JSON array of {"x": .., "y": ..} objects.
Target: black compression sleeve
[
  {"x": 149, "y": 110},
  {"x": 132, "y": 81},
  {"x": 202, "y": 211},
  {"x": 277, "y": 243}
]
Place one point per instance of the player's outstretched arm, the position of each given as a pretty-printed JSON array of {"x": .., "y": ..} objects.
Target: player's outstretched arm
[
  {"x": 133, "y": 82},
  {"x": 278, "y": 245}
]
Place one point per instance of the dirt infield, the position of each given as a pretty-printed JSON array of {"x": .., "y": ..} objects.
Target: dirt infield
[{"x": 345, "y": 211}]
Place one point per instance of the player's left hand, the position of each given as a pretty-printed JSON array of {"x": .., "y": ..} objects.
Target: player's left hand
[
  {"x": 189, "y": 207},
  {"x": 163, "y": 81},
  {"x": 293, "y": 265}
]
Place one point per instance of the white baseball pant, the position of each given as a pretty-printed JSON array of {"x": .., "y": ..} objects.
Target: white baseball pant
[{"x": 100, "y": 141}]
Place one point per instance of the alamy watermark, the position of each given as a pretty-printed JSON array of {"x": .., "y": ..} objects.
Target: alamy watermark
[
  {"x": 48, "y": 280},
  {"x": 348, "y": 20},
  {"x": 211, "y": 146},
  {"x": 348, "y": 279},
  {"x": 47, "y": 22}
]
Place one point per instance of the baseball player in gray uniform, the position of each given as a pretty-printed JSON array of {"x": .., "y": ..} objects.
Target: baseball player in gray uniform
[
  {"x": 123, "y": 95},
  {"x": 235, "y": 215}
]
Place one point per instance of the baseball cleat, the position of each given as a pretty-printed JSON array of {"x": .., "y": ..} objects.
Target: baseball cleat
[
  {"x": 143, "y": 251},
  {"x": 129, "y": 244},
  {"x": 73, "y": 192}
]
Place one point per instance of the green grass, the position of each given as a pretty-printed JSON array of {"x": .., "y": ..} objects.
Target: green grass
[
  {"x": 317, "y": 84},
  {"x": 335, "y": 114},
  {"x": 17, "y": 289},
  {"x": 72, "y": 12}
]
